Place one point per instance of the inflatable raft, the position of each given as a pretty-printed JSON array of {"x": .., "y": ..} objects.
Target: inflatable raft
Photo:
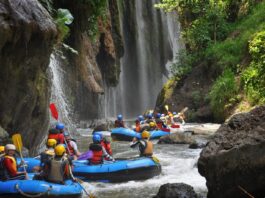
[
  {"x": 125, "y": 134},
  {"x": 121, "y": 170},
  {"x": 37, "y": 188}
]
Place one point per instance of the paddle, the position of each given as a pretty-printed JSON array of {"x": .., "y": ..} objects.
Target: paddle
[
  {"x": 54, "y": 111},
  {"x": 17, "y": 141},
  {"x": 79, "y": 181}
]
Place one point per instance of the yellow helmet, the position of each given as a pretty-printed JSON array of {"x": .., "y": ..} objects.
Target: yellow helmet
[
  {"x": 59, "y": 150},
  {"x": 2, "y": 149},
  {"x": 152, "y": 124},
  {"x": 51, "y": 142},
  {"x": 145, "y": 134}
]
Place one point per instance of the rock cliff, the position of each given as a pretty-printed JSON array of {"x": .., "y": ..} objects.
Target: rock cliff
[{"x": 27, "y": 35}]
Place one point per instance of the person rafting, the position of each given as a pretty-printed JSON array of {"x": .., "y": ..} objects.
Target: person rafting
[
  {"x": 152, "y": 126},
  {"x": 159, "y": 122},
  {"x": 9, "y": 167},
  {"x": 98, "y": 151},
  {"x": 71, "y": 149},
  {"x": 119, "y": 122},
  {"x": 58, "y": 169},
  {"x": 145, "y": 146},
  {"x": 45, "y": 156},
  {"x": 105, "y": 142},
  {"x": 57, "y": 133}
]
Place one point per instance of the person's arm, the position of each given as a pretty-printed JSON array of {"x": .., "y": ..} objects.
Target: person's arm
[
  {"x": 74, "y": 145},
  {"x": 106, "y": 155},
  {"x": 133, "y": 144}
]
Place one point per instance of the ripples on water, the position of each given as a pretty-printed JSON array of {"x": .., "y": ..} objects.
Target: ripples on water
[{"x": 179, "y": 164}]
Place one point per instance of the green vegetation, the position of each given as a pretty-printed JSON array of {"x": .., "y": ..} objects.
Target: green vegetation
[{"x": 229, "y": 36}]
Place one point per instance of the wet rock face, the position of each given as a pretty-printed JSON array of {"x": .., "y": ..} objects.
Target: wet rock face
[
  {"x": 235, "y": 157},
  {"x": 177, "y": 190},
  {"x": 27, "y": 34}
]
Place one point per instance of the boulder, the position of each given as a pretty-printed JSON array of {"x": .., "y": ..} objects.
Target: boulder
[
  {"x": 177, "y": 190},
  {"x": 3, "y": 136},
  {"x": 234, "y": 159},
  {"x": 196, "y": 145},
  {"x": 176, "y": 138}
]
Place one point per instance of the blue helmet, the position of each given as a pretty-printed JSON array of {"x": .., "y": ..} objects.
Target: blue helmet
[
  {"x": 149, "y": 116},
  {"x": 174, "y": 113},
  {"x": 141, "y": 118},
  {"x": 158, "y": 115},
  {"x": 96, "y": 138},
  {"x": 59, "y": 126},
  {"x": 100, "y": 134},
  {"x": 119, "y": 117}
]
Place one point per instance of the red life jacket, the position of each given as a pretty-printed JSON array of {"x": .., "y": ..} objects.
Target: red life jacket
[
  {"x": 107, "y": 146},
  {"x": 159, "y": 125},
  {"x": 97, "y": 153},
  {"x": 59, "y": 137}
]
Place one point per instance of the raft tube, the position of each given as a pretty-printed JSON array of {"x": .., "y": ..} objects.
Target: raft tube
[
  {"x": 124, "y": 134},
  {"x": 38, "y": 188},
  {"x": 121, "y": 170}
]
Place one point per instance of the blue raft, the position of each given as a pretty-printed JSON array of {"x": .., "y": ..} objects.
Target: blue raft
[
  {"x": 125, "y": 134},
  {"x": 121, "y": 170},
  {"x": 37, "y": 188}
]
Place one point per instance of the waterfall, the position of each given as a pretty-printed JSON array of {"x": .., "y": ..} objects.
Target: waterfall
[
  {"x": 58, "y": 92},
  {"x": 151, "y": 39}
]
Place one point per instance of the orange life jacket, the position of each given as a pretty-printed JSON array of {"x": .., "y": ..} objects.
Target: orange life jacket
[
  {"x": 137, "y": 127},
  {"x": 14, "y": 162},
  {"x": 107, "y": 146}
]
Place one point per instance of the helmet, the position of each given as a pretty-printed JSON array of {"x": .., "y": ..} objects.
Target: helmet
[
  {"x": 158, "y": 115},
  {"x": 162, "y": 115},
  {"x": 152, "y": 124},
  {"x": 2, "y": 149},
  {"x": 59, "y": 126},
  {"x": 141, "y": 118},
  {"x": 51, "y": 142},
  {"x": 66, "y": 134},
  {"x": 96, "y": 138},
  {"x": 119, "y": 117},
  {"x": 149, "y": 115},
  {"x": 10, "y": 147},
  {"x": 59, "y": 150},
  {"x": 174, "y": 113},
  {"x": 100, "y": 134},
  {"x": 145, "y": 134}
]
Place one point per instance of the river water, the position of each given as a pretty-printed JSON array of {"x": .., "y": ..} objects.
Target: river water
[{"x": 178, "y": 165}]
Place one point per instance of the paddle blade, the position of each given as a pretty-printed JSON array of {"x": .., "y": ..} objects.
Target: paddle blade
[
  {"x": 54, "y": 111},
  {"x": 184, "y": 110},
  {"x": 17, "y": 141},
  {"x": 166, "y": 107}
]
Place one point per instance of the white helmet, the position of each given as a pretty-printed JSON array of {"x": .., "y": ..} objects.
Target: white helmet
[{"x": 10, "y": 147}]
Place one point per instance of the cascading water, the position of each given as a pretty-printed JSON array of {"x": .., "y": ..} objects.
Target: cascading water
[
  {"x": 151, "y": 38},
  {"x": 58, "y": 95}
]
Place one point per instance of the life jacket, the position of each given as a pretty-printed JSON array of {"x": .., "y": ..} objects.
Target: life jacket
[
  {"x": 4, "y": 174},
  {"x": 97, "y": 153},
  {"x": 70, "y": 150},
  {"x": 57, "y": 136},
  {"x": 149, "y": 149},
  {"x": 137, "y": 126},
  {"x": 56, "y": 170},
  {"x": 107, "y": 146}
]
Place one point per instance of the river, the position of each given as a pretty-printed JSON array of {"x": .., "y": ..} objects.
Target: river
[{"x": 178, "y": 165}]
